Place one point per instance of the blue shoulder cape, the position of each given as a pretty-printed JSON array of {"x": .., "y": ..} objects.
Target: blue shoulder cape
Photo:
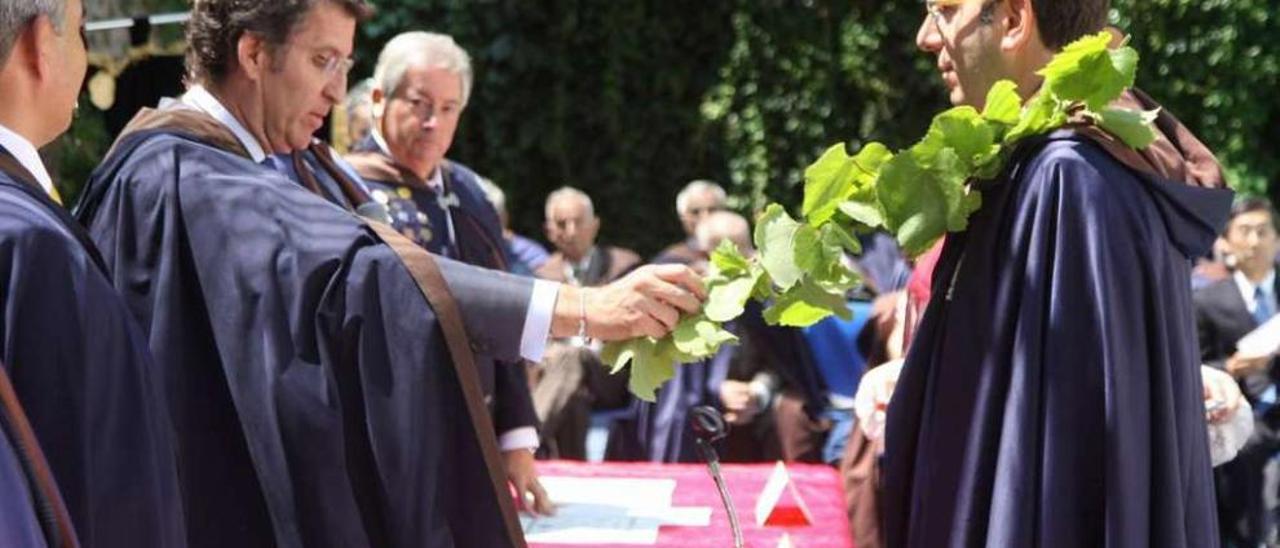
[{"x": 1052, "y": 396}]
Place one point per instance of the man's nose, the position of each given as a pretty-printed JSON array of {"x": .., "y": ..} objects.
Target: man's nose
[
  {"x": 430, "y": 120},
  {"x": 335, "y": 90},
  {"x": 927, "y": 37}
]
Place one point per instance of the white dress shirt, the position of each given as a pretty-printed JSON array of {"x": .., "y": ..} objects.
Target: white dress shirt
[
  {"x": 542, "y": 303},
  {"x": 26, "y": 154}
]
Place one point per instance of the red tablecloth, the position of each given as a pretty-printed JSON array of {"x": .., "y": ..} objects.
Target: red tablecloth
[{"x": 819, "y": 486}]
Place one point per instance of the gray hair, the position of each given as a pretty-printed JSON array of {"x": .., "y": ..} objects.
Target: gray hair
[
  {"x": 418, "y": 47},
  {"x": 494, "y": 194},
  {"x": 697, "y": 187},
  {"x": 568, "y": 192},
  {"x": 358, "y": 96},
  {"x": 724, "y": 225},
  {"x": 16, "y": 13}
]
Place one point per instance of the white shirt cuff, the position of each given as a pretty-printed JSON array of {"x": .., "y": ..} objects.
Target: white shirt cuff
[
  {"x": 525, "y": 437},
  {"x": 537, "y": 320}
]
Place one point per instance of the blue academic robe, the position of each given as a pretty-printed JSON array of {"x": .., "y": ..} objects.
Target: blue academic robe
[
  {"x": 1052, "y": 396},
  {"x": 306, "y": 375},
  {"x": 81, "y": 370}
]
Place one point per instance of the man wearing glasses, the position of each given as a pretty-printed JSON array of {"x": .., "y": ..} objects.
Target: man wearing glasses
[
  {"x": 311, "y": 360},
  {"x": 1052, "y": 395}
]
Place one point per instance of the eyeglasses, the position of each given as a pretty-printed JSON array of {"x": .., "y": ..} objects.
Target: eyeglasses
[
  {"x": 937, "y": 9},
  {"x": 332, "y": 64},
  {"x": 426, "y": 108}
]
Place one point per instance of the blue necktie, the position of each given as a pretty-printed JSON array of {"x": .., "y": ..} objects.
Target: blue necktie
[{"x": 1262, "y": 306}]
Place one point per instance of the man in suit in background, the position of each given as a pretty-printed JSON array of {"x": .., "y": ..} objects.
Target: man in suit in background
[
  {"x": 1226, "y": 311},
  {"x": 570, "y": 382}
]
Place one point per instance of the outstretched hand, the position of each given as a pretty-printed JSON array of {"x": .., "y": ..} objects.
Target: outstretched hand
[{"x": 647, "y": 302}]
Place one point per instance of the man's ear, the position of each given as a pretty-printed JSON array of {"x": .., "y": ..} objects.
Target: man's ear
[
  {"x": 377, "y": 103},
  {"x": 40, "y": 41},
  {"x": 253, "y": 55},
  {"x": 1020, "y": 25}
]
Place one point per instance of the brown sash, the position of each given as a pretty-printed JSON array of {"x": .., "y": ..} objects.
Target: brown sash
[
  {"x": 50, "y": 509},
  {"x": 185, "y": 120},
  {"x": 422, "y": 266}
]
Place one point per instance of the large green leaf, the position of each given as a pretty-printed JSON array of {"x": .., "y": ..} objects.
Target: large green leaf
[
  {"x": 727, "y": 300},
  {"x": 826, "y": 183},
  {"x": 1003, "y": 103},
  {"x": 775, "y": 239},
  {"x": 805, "y": 305},
  {"x": 1086, "y": 71},
  {"x": 1133, "y": 127}
]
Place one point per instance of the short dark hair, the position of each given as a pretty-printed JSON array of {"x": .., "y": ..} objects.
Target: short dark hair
[
  {"x": 1251, "y": 204},
  {"x": 215, "y": 28},
  {"x": 1064, "y": 21}
]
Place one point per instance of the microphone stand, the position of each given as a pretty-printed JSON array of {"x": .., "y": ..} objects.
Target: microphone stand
[{"x": 709, "y": 427}]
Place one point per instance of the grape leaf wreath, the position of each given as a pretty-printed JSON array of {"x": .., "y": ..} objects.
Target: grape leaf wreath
[{"x": 917, "y": 194}]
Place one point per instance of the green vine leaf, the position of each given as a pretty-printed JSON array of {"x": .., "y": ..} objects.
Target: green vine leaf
[
  {"x": 1088, "y": 71},
  {"x": 775, "y": 237},
  {"x": 1133, "y": 127},
  {"x": 1003, "y": 105}
]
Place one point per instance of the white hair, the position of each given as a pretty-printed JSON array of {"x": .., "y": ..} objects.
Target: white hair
[
  {"x": 724, "y": 225},
  {"x": 358, "y": 96},
  {"x": 16, "y": 13},
  {"x": 568, "y": 192},
  {"x": 697, "y": 187},
  {"x": 494, "y": 194},
  {"x": 430, "y": 49}
]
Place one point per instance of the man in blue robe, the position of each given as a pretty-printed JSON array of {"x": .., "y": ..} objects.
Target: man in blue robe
[
  {"x": 78, "y": 364},
  {"x": 304, "y": 348},
  {"x": 1052, "y": 395}
]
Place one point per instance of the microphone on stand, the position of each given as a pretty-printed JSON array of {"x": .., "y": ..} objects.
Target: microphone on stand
[{"x": 709, "y": 427}]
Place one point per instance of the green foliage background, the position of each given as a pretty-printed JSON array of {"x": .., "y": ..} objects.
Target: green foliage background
[{"x": 628, "y": 100}]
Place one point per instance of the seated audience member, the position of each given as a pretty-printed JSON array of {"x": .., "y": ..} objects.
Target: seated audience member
[
  {"x": 524, "y": 255},
  {"x": 695, "y": 202},
  {"x": 1226, "y": 311},
  {"x": 570, "y": 382}
]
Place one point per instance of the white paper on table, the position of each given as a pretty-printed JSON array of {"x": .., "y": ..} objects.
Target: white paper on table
[
  {"x": 609, "y": 510},
  {"x": 1261, "y": 342}
]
